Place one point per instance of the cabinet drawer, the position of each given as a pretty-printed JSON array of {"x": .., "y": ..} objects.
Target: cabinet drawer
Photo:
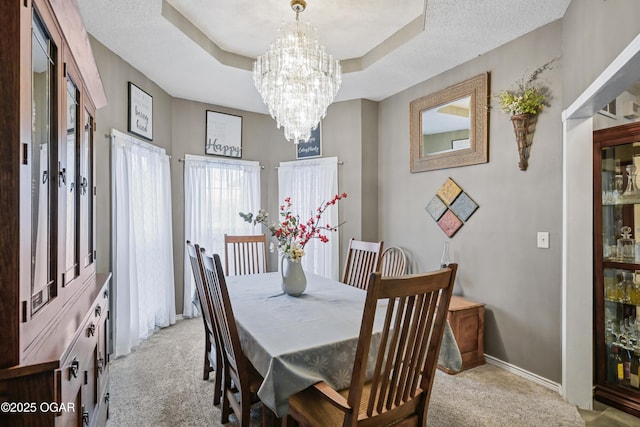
[
  {"x": 76, "y": 382},
  {"x": 71, "y": 375}
]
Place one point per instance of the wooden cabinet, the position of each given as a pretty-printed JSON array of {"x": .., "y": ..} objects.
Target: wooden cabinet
[
  {"x": 466, "y": 319},
  {"x": 54, "y": 308},
  {"x": 616, "y": 214}
]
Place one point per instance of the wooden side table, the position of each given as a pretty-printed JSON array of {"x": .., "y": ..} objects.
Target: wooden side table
[{"x": 466, "y": 319}]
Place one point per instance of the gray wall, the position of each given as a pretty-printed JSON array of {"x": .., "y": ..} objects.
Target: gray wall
[
  {"x": 595, "y": 32},
  {"x": 116, "y": 74},
  {"x": 500, "y": 264}
]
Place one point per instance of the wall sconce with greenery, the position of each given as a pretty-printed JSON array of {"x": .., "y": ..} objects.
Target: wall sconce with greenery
[{"x": 524, "y": 104}]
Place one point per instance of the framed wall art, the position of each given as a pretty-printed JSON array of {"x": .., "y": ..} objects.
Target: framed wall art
[
  {"x": 223, "y": 134},
  {"x": 311, "y": 148},
  {"x": 450, "y": 127},
  {"x": 140, "y": 119}
]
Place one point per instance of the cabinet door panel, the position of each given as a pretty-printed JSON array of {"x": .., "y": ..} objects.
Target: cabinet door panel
[
  {"x": 617, "y": 266},
  {"x": 43, "y": 164},
  {"x": 67, "y": 187},
  {"x": 85, "y": 182}
]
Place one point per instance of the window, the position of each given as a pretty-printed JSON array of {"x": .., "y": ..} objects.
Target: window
[
  {"x": 215, "y": 192},
  {"x": 309, "y": 183}
]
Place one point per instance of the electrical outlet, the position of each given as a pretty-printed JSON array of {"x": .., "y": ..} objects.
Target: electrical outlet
[{"x": 543, "y": 239}]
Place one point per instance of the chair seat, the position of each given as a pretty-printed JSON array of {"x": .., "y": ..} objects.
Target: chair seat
[{"x": 319, "y": 412}]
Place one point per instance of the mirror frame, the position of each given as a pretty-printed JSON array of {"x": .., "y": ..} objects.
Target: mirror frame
[{"x": 476, "y": 87}]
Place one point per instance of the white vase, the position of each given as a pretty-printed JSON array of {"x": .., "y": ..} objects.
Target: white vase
[{"x": 294, "y": 281}]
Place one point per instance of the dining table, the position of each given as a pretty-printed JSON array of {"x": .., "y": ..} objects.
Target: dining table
[{"x": 295, "y": 342}]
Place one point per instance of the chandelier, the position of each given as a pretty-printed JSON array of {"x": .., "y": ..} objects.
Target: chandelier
[{"x": 297, "y": 78}]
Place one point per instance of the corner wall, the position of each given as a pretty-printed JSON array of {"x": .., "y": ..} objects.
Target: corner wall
[
  {"x": 500, "y": 264},
  {"x": 115, "y": 74},
  {"x": 349, "y": 132}
]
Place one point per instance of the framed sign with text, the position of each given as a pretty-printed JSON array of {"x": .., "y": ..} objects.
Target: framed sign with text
[
  {"x": 223, "y": 134},
  {"x": 140, "y": 120},
  {"x": 311, "y": 148}
]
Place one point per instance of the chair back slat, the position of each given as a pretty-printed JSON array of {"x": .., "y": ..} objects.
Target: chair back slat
[
  {"x": 212, "y": 354},
  {"x": 407, "y": 353},
  {"x": 241, "y": 380},
  {"x": 206, "y": 307},
  {"x": 245, "y": 254},
  {"x": 394, "y": 262},
  {"x": 363, "y": 258},
  {"x": 217, "y": 287}
]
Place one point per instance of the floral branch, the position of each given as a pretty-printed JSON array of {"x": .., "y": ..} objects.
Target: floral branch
[
  {"x": 293, "y": 234},
  {"x": 529, "y": 97}
]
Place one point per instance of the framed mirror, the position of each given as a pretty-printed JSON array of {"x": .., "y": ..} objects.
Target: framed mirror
[{"x": 449, "y": 128}]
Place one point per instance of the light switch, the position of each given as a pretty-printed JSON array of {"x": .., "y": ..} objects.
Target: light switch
[{"x": 543, "y": 239}]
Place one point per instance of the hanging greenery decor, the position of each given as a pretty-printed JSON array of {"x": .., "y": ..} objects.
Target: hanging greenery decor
[{"x": 524, "y": 104}]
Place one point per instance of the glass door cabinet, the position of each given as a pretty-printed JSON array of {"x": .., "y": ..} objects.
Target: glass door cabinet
[
  {"x": 617, "y": 266},
  {"x": 54, "y": 304}
]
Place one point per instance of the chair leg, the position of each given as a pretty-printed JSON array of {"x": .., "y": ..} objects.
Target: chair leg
[
  {"x": 217, "y": 393},
  {"x": 289, "y": 421},
  {"x": 269, "y": 419},
  {"x": 207, "y": 363},
  {"x": 224, "y": 418},
  {"x": 245, "y": 408}
]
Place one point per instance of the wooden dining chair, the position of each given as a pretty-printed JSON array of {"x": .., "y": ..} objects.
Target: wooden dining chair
[
  {"x": 404, "y": 366},
  {"x": 211, "y": 332},
  {"x": 363, "y": 258},
  {"x": 239, "y": 374},
  {"x": 394, "y": 262},
  {"x": 245, "y": 254}
]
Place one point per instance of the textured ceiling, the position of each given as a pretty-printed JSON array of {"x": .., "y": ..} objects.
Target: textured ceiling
[{"x": 186, "y": 55}]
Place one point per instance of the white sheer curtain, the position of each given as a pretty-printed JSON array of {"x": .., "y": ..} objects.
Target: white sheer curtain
[
  {"x": 142, "y": 241},
  {"x": 216, "y": 190},
  {"x": 309, "y": 183}
]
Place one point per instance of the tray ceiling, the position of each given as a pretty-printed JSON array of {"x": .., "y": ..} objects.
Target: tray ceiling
[{"x": 202, "y": 50}]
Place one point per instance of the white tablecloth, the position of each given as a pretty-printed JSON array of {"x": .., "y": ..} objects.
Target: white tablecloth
[{"x": 296, "y": 342}]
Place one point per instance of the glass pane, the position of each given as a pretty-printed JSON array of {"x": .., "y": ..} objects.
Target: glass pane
[
  {"x": 621, "y": 203},
  {"x": 69, "y": 184},
  {"x": 86, "y": 192},
  {"x": 622, "y": 293},
  {"x": 42, "y": 76}
]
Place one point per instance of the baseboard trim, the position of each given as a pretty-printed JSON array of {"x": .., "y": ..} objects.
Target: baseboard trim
[{"x": 524, "y": 373}]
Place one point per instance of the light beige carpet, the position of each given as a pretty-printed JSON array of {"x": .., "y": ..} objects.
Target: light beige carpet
[{"x": 160, "y": 384}]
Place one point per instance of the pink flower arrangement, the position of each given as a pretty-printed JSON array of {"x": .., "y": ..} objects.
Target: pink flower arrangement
[{"x": 293, "y": 234}]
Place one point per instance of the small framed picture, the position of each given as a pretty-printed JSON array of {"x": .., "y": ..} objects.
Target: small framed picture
[
  {"x": 140, "y": 121},
  {"x": 460, "y": 144},
  {"x": 311, "y": 148},
  {"x": 223, "y": 134}
]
